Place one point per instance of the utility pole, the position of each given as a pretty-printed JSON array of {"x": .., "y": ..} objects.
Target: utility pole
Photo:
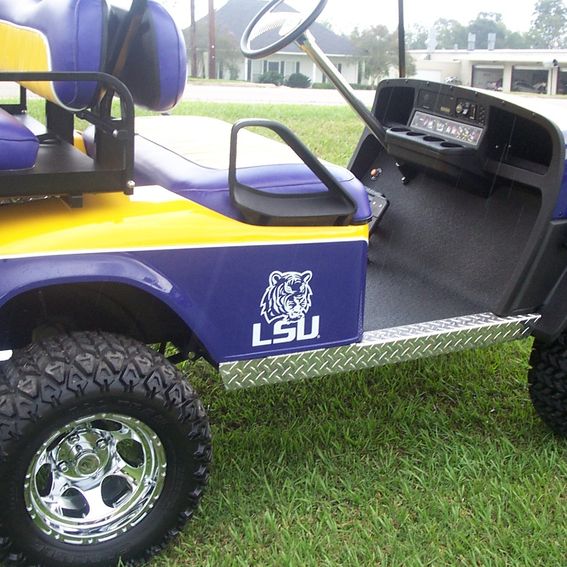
[
  {"x": 212, "y": 42},
  {"x": 193, "y": 40},
  {"x": 401, "y": 39}
]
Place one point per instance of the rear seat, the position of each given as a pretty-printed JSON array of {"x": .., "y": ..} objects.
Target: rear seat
[
  {"x": 18, "y": 146},
  {"x": 79, "y": 35},
  {"x": 64, "y": 36},
  {"x": 46, "y": 35}
]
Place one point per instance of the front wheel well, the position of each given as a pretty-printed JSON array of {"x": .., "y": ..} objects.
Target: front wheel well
[{"x": 98, "y": 306}]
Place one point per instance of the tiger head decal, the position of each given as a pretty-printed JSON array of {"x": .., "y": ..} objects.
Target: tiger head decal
[{"x": 288, "y": 296}]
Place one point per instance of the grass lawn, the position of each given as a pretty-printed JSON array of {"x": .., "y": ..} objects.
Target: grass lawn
[
  {"x": 330, "y": 131},
  {"x": 435, "y": 462}
]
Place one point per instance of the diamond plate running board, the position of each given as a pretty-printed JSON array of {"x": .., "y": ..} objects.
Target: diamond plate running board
[{"x": 382, "y": 347}]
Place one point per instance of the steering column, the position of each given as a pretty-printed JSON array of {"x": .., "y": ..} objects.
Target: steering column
[{"x": 277, "y": 27}]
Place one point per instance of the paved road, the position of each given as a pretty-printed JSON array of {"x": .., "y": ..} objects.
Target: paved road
[
  {"x": 269, "y": 95},
  {"x": 248, "y": 94}
]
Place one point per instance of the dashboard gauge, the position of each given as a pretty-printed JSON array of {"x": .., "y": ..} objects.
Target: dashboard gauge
[{"x": 464, "y": 133}]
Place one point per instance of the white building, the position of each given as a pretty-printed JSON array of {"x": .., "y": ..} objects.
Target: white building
[
  {"x": 288, "y": 62},
  {"x": 235, "y": 15},
  {"x": 509, "y": 70}
]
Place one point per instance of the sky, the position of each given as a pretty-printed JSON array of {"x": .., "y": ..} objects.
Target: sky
[{"x": 345, "y": 15}]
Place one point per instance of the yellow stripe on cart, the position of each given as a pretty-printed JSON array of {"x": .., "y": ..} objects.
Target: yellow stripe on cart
[{"x": 153, "y": 219}]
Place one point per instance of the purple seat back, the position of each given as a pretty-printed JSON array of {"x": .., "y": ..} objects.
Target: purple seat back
[
  {"x": 78, "y": 35},
  {"x": 54, "y": 35},
  {"x": 155, "y": 70}
]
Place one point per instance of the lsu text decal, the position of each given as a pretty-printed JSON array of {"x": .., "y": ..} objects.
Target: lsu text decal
[{"x": 284, "y": 306}]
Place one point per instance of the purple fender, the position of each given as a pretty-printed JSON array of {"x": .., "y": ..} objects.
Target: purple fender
[
  {"x": 21, "y": 275},
  {"x": 223, "y": 294}
]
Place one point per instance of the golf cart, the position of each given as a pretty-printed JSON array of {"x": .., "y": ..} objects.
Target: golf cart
[{"x": 138, "y": 244}]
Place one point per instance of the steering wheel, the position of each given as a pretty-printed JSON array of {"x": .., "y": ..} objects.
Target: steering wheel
[{"x": 278, "y": 28}]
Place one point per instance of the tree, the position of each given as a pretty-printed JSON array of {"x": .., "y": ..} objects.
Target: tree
[
  {"x": 416, "y": 37},
  {"x": 450, "y": 33},
  {"x": 485, "y": 23},
  {"x": 518, "y": 40},
  {"x": 378, "y": 47},
  {"x": 549, "y": 25},
  {"x": 411, "y": 69},
  {"x": 227, "y": 49}
]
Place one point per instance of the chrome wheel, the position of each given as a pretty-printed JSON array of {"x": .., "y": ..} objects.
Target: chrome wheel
[
  {"x": 95, "y": 478},
  {"x": 96, "y": 422}
]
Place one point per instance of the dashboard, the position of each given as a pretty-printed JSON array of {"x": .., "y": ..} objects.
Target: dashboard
[
  {"x": 456, "y": 130},
  {"x": 457, "y": 118}
]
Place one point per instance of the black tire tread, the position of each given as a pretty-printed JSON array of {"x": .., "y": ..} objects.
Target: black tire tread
[
  {"x": 548, "y": 383},
  {"x": 66, "y": 368}
]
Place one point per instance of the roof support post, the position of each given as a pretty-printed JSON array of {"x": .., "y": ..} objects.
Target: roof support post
[
  {"x": 212, "y": 41},
  {"x": 193, "y": 41},
  {"x": 401, "y": 39}
]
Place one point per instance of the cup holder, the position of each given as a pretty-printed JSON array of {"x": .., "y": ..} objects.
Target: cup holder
[{"x": 426, "y": 137}]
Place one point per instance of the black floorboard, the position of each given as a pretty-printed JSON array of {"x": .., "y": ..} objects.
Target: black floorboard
[{"x": 441, "y": 251}]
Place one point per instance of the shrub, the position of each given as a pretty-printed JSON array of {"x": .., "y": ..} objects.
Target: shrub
[
  {"x": 298, "y": 81},
  {"x": 323, "y": 86},
  {"x": 358, "y": 87},
  {"x": 271, "y": 77}
]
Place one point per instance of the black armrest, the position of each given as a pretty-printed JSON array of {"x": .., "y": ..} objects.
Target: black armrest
[{"x": 332, "y": 207}]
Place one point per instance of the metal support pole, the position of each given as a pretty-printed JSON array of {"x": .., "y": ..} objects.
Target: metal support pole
[
  {"x": 401, "y": 39},
  {"x": 212, "y": 42},
  {"x": 193, "y": 40}
]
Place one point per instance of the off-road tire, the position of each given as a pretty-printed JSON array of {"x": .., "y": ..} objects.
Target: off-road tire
[
  {"x": 57, "y": 380},
  {"x": 548, "y": 383}
]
